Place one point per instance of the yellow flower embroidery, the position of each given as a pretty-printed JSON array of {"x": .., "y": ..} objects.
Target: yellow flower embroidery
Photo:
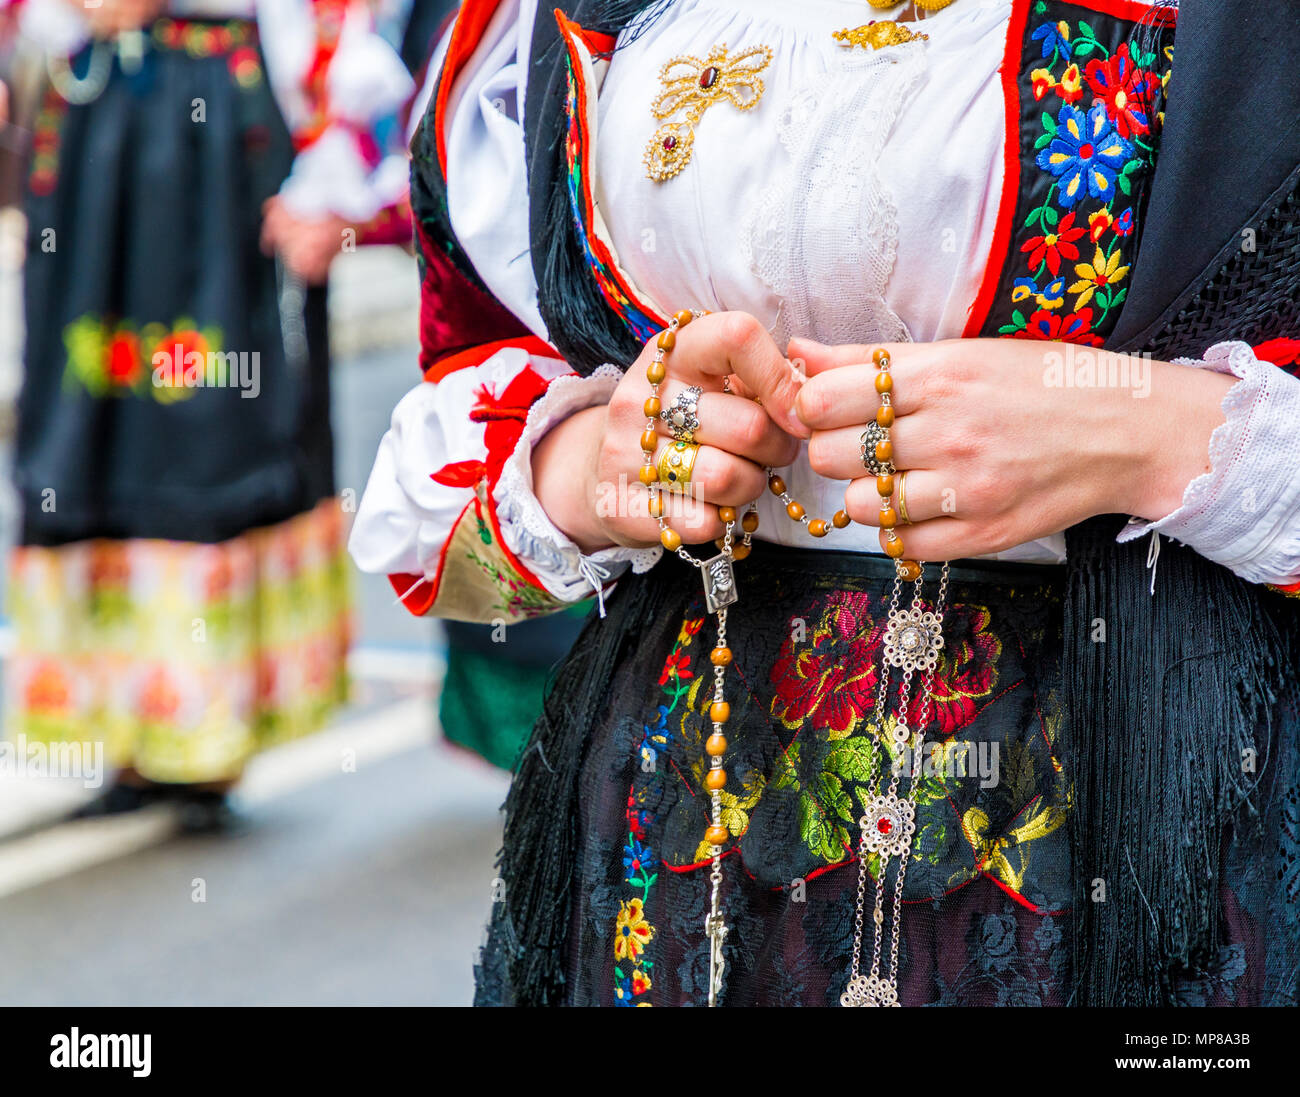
[
  {"x": 1097, "y": 274},
  {"x": 631, "y": 932}
]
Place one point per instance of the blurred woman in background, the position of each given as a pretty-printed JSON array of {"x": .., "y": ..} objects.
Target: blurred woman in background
[{"x": 179, "y": 590}]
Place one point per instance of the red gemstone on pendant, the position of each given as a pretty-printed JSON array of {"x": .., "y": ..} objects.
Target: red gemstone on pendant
[
  {"x": 670, "y": 143},
  {"x": 709, "y": 77},
  {"x": 884, "y": 824}
]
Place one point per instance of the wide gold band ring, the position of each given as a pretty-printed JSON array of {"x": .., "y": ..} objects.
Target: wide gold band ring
[{"x": 676, "y": 463}]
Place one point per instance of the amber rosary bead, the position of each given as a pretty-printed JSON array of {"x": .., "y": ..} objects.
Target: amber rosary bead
[
  {"x": 749, "y": 523},
  {"x": 655, "y": 372},
  {"x": 670, "y": 539},
  {"x": 649, "y": 475},
  {"x": 894, "y": 548},
  {"x": 776, "y": 485},
  {"x": 841, "y": 519},
  {"x": 885, "y": 486},
  {"x": 715, "y": 780},
  {"x": 885, "y": 415},
  {"x": 727, "y": 514},
  {"x": 719, "y": 712},
  {"x": 667, "y": 339},
  {"x": 909, "y": 570},
  {"x": 649, "y": 440},
  {"x": 684, "y": 317},
  {"x": 794, "y": 510},
  {"x": 884, "y": 451},
  {"x": 818, "y": 527},
  {"x": 888, "y": 518},
  {"x": 720, "y": 657},
  {"x": 884, "y": 382},
  {"x": 652, "y": 407},
  {"x": 716, "y": 745},
  {"x": 656, "y": 506},
  {"x": 739, "y": 552},
  {"x": 715, "y": 836},
  {"x": 880, "y": 355}
]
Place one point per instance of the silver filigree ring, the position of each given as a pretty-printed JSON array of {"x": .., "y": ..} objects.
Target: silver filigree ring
[{"x": 682, "y": 415}]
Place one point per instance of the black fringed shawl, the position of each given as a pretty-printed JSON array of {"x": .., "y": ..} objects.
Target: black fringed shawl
[{"x": 1161, "y": 711}]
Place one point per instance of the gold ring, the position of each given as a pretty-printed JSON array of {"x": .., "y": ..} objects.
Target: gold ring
[
  {"x": 676, "y": 464},
  {"x": 902, "y": 499}
]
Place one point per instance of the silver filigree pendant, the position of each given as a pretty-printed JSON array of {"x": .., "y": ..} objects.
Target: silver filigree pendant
[
  {"x": 913, "y": 640},
  {"x": 888, "y": 825},
  {"x": 869, "y": 990},
  {"x": 719, "y": 583}
]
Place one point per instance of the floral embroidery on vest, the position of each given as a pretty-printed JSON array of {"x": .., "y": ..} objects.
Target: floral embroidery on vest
[{"x": 1090, "y": 89}]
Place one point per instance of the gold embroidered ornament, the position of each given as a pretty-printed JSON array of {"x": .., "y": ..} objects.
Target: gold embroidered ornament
[
  {"x": 690, "y": 87},
  {"x": 877, "y": 35}
]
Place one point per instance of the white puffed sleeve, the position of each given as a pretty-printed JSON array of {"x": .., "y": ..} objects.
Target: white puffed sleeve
[
  {"x": 349, "y": 169},
  {"x": 53, "y": 25},
  {"x": 406, "y": 516},
  {"x": 1245, "y": 512}
]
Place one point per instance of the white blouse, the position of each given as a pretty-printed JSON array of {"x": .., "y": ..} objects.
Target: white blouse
[{"x": 856, "y": 203}]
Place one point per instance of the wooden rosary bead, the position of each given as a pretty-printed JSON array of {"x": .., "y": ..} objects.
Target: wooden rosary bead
[
  {"x": 894, "y": 548},
  {"x": 716, "y": 836},
  {"x": 794, "y": 510},
  {"x": 719, "y": 712},
  {"x": 727, "y": 514},
  {"x": 749, "y": 523},
  {"x": 649, "y": 475},
  {"x": 841, "y": 519},
  {"x": 739, "y": 552},
  {"x": 885, "y": 486},
  {"x": 884, "y": 382},
  {"x": 880, "y": 355},
  {"x": 909, "y": 570},
  {"x": 715, "y": 780},
  {"x": 656, "y": 506},
  {"x": 776, "y": 485},
  {"x": 670, "y": 539},
  {"x": 684, "y": 317},
  {"x": 652, "y": 407},
  {"x": 649, "y": 440},
  {"x": 655, "y": 373},
  {"x": 720, "y": 657},
  {"x": 888, "y": 518},
  {"x": 884, "y": 451},
  {"x": 884, "y": 415},
  {"x": 667, "y": 339},
  {"x": 716, "y": 745},
  {"x": 818, "y": 527}
]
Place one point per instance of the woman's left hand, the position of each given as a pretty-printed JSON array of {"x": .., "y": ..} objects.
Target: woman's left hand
[{"x": 1005, "y": 441}]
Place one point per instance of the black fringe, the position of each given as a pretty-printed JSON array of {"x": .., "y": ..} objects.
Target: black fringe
[
  {"x": 587, "y": 333},
  {"x": 1160, "y": 715},
  {"x": 540, "y": 848}
]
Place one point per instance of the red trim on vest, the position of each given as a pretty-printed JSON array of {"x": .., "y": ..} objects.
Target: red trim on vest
[
  {"x": 472, "y": 21},
  {"x": 425, "y": 592},
  {"x": 476, "y": 356},
  {"x": 1281, "y": 352}
]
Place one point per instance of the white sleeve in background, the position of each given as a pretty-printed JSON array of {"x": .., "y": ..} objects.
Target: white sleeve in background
[
  {"x": 487, "y": 181},
  {"x": 1245, "y": 512},
  {"x": 53, "y": 25},
  {"x": 366, "y": 81},
  {"x": 405, "y": 516}
]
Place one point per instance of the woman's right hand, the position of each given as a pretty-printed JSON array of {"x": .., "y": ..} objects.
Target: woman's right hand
[{"x": 585, "y": 471}]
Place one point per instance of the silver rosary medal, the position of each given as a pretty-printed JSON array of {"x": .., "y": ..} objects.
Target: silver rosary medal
[{"x": 719, "y": 583}]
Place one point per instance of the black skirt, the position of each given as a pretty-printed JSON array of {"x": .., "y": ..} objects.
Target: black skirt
[
  {"x": 144, "y": 211},
  {"x": 986, "y": 917}
]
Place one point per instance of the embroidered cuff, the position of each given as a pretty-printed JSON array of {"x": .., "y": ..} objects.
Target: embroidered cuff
[
  {"x": 552, "y": 557},
  {"x": 1245, "y": 512}
]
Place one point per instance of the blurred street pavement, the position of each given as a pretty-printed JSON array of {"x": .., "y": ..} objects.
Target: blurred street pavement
[{"x": 367, "y": 887}]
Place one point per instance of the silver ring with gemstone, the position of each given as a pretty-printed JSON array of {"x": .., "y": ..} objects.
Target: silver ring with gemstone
[{"x": 682, "y": 415}]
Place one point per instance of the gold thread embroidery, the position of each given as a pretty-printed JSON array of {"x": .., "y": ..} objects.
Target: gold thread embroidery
[
  {"x": 691, "y": 87},
  {"x": 877, "y": 35}
]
